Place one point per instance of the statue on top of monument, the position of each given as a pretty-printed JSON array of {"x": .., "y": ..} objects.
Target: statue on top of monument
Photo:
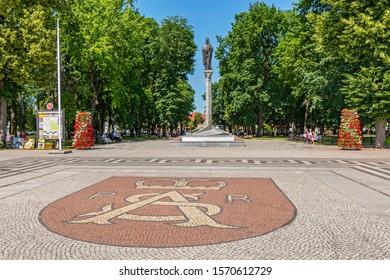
[{"x": 207, "y": 51}]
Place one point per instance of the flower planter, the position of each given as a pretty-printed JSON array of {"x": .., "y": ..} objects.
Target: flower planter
[
  {"x": 350, "y": 135},
  {"x": 83, "y": 132}
]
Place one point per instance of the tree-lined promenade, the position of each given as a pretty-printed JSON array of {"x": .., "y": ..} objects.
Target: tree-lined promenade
[
  {"x": 295, "y": 69},
  {"x": 122, "y": 67}
]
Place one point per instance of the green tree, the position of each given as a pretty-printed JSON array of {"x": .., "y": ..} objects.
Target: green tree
[
  {"x": 246, "y": 60},
  {"x": 130, "y": 104},
  {"x": 196, "y": 121},
  {"x": 94, "y": 44},
  {"x": 311, "y": 79},
  {"x": 357, "y": 32},
  {"x": 218, "y": 105},
  {"x": 27, "y": 48},
  {"x": 171, "y": 54},
  {"x": 369, "y": 90}
]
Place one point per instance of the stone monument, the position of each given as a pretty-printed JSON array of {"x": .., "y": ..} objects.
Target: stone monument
[
  {"x": 208, "y": 136},
  {"x": 207, "y": 52}
]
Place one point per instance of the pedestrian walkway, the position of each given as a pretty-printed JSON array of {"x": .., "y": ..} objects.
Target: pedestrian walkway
[
  {"x": 253, "y": 149},
  {"x": 268, "y": 200}
]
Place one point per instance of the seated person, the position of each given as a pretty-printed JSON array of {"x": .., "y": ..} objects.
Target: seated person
[
  {"x": 314, "y": 137},
  {"x": 116, "y": 137},
  {"x": 307, "y": 136},
  {"x": 105, "y": 139}
]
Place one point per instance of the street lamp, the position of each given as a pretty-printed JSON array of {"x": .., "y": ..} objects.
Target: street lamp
[{"x": 59, "y": 86}]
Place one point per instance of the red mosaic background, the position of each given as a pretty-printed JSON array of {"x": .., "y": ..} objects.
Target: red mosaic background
[{"x": 268, "y": 210}]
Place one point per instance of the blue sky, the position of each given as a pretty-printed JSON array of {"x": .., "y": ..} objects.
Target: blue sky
[{"x": 209, "y": 18}]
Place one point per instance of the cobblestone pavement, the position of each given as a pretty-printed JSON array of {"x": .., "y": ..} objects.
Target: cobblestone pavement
[{"x": 342, "y": 200}]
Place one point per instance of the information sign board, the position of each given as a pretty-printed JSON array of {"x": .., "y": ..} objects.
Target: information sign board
[{"x": 47, "y": 124}]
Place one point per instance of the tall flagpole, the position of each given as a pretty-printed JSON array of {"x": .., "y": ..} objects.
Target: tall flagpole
[{"x": 59, "y": 86}]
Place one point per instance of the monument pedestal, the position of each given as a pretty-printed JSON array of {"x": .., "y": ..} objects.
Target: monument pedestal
[{"x": 206, "y": 137}]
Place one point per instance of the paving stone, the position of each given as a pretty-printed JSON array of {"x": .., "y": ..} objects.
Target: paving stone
[{"x": 331, "y": 222}]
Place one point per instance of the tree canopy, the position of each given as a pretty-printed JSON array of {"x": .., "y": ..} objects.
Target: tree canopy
[
  {"x": 286, "y": 71},
  {"x": 301, "y": 67},
  {"x": 126, "y": 69},
  {"x": 356, "y": 33}
]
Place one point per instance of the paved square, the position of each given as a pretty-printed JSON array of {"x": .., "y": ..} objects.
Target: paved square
[{"x": 342, "y": 202}]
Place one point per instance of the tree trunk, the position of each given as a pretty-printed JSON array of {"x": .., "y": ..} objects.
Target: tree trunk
[
  {"x": 293, "y": 122},
  {"x": 94, "y": 80},
  {"x": 110, "y": 122},
  {"x": 260, "y": 122},
  {"x": 306, "y": 114},
  {"x": 3, "y": 118},
  {"x": 137, "y": 123},
  {"x": 22, "y": 121},
  {"x": 93, "y": 109},
  {"x": 287, "y": 131},
  {"x": 153, "y": 128},
  {"x": 3, "y": 109},
  {"x": 14, "y": 127},
  {"x": 230, "y": 127},
  {"x": 380, "y": 133},
  {"x": 102, "y": 119}
]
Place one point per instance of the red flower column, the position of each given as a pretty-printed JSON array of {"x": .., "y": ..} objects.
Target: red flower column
[
  {"x": 350, "y": 134},
  {"x": 83, "y": 131}
]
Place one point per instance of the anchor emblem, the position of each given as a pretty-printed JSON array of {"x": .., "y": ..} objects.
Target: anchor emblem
[
  {"x": 192, "y": 215},
  {"x": 167, "y": 212}
]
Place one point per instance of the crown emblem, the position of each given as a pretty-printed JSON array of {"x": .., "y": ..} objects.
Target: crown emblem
[{"x": 182, "y": 184}]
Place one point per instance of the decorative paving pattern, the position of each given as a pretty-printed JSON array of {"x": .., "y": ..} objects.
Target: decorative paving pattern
[
  {"x": 342, "y": 201},
  {"x": 13, "y": 168},
  {"x": 31, "y": 162},
  {"x": 170, "y": 212},
  {"x": 374, "y": 169},
  {"x": 379, "y": 168}
]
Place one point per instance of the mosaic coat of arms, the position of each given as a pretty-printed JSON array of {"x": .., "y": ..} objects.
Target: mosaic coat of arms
[{"x": 170, "y": 212}]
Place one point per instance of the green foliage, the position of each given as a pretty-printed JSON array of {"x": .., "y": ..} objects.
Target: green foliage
[
  {"x": 122, "y": 67},
  {"x": 93, "y": 42},
  {"x": 125, "y": 67},
  {"x": 246, "y": 57},
  {"x": 27, "y": 41},
  {"x": 294, "y": 68},
  {"x": 358, "y": 29},
  {"x": 357, "y": 33},
  {"x": 311, "y": 79},
  {"x": 171, "y": 54},
  {"x": 370, "y": 90},
  {"x": 300, "y": 70},
  {"x": 198, "y": 119}
]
